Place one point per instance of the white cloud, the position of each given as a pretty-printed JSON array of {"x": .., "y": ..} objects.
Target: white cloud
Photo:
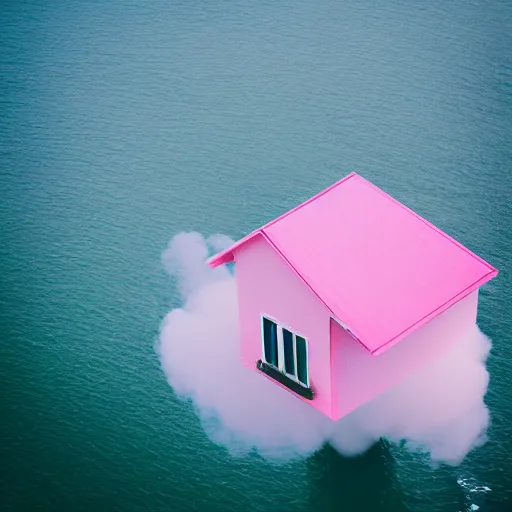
[{"x": 439, "y": 409}]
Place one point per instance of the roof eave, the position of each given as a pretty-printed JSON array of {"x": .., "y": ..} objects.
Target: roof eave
[
  {"x": 438, "y": 311},
  {"x": 228, "y": 255}
]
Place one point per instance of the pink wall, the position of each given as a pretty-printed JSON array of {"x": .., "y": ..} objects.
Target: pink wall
[
  {"x": 267, "y": 285},
  {"x": 358, "y": 376}
]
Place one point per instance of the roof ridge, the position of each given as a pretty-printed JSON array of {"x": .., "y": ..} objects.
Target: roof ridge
[
  {"x": 217, "y": 259},
  {"x": 428, "y": 223},
  {"x": 310, "y": 200}
]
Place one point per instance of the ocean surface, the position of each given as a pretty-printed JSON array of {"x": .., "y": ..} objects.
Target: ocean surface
[{"x": 123, "y": 123}]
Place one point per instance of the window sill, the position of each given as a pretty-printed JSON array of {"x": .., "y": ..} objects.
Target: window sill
[{"x": 284, "y": 380}]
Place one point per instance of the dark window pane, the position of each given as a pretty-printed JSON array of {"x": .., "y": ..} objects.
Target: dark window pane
[
  {"x": 289, "y": 362},
  {"x": 270, "y": 341},
  {"x": 302, "y": 360}
]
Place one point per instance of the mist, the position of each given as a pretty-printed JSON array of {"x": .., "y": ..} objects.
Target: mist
[{"x": 439, "y": 410}]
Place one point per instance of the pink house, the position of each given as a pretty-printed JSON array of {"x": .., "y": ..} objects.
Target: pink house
[{"x": 348, "y": 293}]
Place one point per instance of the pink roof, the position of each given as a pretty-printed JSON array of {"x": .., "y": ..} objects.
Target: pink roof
[{"x": 381, "y": 269}]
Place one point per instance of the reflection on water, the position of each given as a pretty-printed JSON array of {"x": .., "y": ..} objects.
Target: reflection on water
[{"x": 368, "y": 480}]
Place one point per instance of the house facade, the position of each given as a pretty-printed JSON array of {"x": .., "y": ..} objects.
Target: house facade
[
  {"x": 348, "y": 294},
  {"x": 273, "y": 299}
]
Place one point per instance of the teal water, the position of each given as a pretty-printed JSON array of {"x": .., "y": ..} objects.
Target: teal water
[{"x": 123, "y": 123}]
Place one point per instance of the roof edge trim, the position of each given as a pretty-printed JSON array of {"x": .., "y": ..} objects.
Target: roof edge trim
[
  {"x": 295, "y": 271},
  {"x": 224, "y": 257},
  {"x": 429, "y": 224},
  {"x": 227, "y": 255},
  {"x": 346, "y": 328},
  {"x": 335, "y": 317},
  {"x": 435, "y": 313}
]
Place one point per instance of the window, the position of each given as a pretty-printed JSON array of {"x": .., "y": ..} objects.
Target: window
[{"x": 285, "y": 351}]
